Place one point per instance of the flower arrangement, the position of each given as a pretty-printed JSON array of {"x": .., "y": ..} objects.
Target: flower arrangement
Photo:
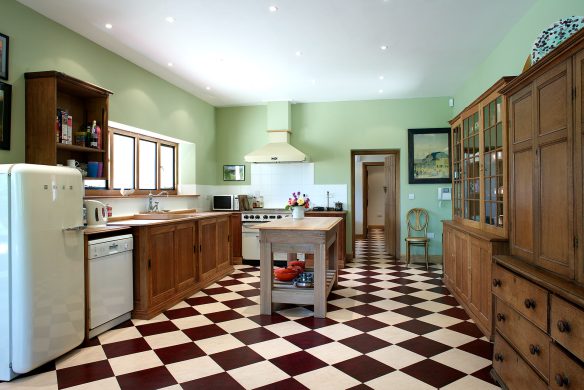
[{"x": 297, "y": 200}]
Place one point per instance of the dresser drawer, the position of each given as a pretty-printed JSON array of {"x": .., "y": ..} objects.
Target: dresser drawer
[
  {"x": 565, "y": 373},
  {"x": 527, "y": 298},
  {"x": 512, "y": 369},
  {"x": 527, "y": 339},
  {"x": 567, "y": 326}
]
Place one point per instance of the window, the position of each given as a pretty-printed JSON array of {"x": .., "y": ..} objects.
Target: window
[{"x": 143, "y": 163}]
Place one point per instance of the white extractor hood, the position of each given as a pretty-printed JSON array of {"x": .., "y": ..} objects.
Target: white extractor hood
[{"x": 278, "y": 148}]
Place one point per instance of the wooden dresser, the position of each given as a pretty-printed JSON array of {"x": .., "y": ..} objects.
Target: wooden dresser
[{"x": 538, "y": 289}]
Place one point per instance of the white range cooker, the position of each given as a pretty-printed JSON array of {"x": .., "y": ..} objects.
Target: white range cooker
[{"x": 250, "y": 240}]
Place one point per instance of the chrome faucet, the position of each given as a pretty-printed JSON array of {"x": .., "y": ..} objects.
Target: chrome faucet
[{"x": 152, "y": 205}]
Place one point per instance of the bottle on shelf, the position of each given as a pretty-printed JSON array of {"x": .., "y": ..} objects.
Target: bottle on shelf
[{"x": 93, "y": 135}]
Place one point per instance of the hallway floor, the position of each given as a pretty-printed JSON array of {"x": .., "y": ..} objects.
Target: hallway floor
[{"x": 387, "y": 327}]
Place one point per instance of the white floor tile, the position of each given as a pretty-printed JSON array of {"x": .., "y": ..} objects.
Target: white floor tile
[
  {"x": 449, "y": 337},
  {"x": 396, "y": 357},
  {"x": 333, "y": 353},
  {"x": 470, "y": 382},
  {"x": 393, "y": 334},
  {"x": 440, "y": 320},
  {"x": 122, "y": 334},
  {"x": 273, "y": 348},
  {"x": 399, "y": 380},
  {"x": 237, "y": 325},
  {"x": 167, "y": 339},
  {"x": 81, "y": 356},
  {"x": 211, "y": 308},
  {"x": 326, "y": 378},
  {"x": 338, "y": 331},
  {"x": 134, "y": 362},
  {"x": 288, "y": 328},
  {"x": 191, "y": 322},
  {"x": 461, "y": 360},
  {"x": 219, "y": 344},
  {"x": 189, "y": 370},
  {"x": 258, "y": 374}
]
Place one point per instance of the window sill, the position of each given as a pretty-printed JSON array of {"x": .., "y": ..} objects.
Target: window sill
[{"x": 137, "y": 196}]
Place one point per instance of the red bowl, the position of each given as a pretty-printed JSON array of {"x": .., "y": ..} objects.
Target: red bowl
[
  {"x": 297, "y": 263},
  {"x": 285, "y": 274}
]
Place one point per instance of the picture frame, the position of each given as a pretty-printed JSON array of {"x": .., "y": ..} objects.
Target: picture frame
[
  {"x": 4, "y": 47},
  {"x": 233, "y": 172},
  {"x": 429, "y": 156},
  {"x": 5, "y": 112}
]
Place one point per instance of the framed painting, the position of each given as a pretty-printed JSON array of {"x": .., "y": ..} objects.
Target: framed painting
[
  {"x": 233, "y": 172},
  {"x": 5, "y": 109},
  {"x": 3, "y": 57},
  {"x": 429, "y": 156}
]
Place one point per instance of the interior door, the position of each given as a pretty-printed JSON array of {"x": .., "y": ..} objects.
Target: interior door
[
  {"x": 390, "y": 205},
  {"x": 365, "y": 201}
]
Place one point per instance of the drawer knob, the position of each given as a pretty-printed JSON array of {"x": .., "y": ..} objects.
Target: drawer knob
[
  {"x": 498, "y": 357},
  {"x": 562, "y": 380},
  {"x": 500, "y": 317},
  {"x": 496, "y": 282},
  {"x": 534, "y": 349},
  {"x": 529, "y": 303},
  {"x": 563, "y": 326}
]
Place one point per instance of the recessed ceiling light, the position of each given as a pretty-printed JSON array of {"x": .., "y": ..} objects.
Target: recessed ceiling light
[
  {"x": 383, "y": 47},
  {"x": 208, "y": 88},
  {"x": 170, "y": 64},
  {"x": 170, "y": 19},
  {"x": 108, "y": 26},
  {"x": 273, "y": 8},
  {"x": 381, "y": 77},
  {"x": 380, "y": 91},
  {"x": 298, "y": 53}
]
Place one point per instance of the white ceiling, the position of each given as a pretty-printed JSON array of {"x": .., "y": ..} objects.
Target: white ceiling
[{"x": 247, "y": 54}]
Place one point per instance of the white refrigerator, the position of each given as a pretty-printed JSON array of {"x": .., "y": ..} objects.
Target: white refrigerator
[{"x": 42, "y": 314}]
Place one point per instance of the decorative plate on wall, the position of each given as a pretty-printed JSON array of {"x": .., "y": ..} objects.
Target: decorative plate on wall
[{"x": 553, "y": 36}]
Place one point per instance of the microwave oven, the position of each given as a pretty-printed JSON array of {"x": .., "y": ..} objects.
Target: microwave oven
[{"x": 225, "y": 202}]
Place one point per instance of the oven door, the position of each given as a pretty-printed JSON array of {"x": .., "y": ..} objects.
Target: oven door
[{"x": 250, "y": 243}]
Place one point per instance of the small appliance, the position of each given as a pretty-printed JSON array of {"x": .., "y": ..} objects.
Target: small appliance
[
  {"x": 225, "y": 202},
  {"x": 96, "y": 213}
]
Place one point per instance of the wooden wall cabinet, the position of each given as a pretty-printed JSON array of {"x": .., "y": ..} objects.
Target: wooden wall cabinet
[{"x": 45, "y": 93}]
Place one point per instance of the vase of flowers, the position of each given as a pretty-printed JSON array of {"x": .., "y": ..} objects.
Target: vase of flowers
[{"x": 298, "y": 204}]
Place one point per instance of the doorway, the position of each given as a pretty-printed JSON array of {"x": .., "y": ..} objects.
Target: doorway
[
  {"x": 373, "y": 183},
  {"x": 388, "y": 159}
]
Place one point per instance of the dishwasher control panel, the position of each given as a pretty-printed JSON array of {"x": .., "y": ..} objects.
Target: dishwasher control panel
[{"x": 109, "y": 246}]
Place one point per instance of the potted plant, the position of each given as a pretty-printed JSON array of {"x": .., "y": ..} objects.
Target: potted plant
[{"x": 298, "y": 204}]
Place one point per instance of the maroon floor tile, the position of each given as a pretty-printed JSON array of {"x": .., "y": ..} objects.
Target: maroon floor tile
[
  {"x": 286, "y": 384},
  {"x": 480, "y": 348},
  {"x": 412, "y": 312},
  {"x": 200, "y": 300},
  {"x": 315, "y": 323},
  {"x": 253, "y": 336},
  {"x": 83, "y": 373},
  {"x": 152, "y": 378},
  {"x": 363, "y": 368},
  {"x": 468, "y": 328},
  {"x": 362, "y": 386},
  {"x": 181, "y": 313},
  {"x": 367, "y": 273},
  {"x": 484, "y": 374},
  {"x": 456, "y": 312},
  {"x": 366, "y": 310},
  {"x": 90, "y": 343},
  {"x": 364, "y": 343},
  {"x": 178, "y": 353},
  {"x": 440, "y": 290},
  {"x": 365, "y": 324},
  {"x": 433, "y": 373},
  {"x": 241, "y": 275},
  {"x": 437, "y": 282},
  {"x": 408, "y": 299},
  {"x": 156, "y": 328},
  {"x": 424, "y": 346},
  {"x": 256, "y": 285},
  {"x": 125, "y": 324},
  {"x": 126, "y": 347},
  {"x": 216, "y": 290},
  {"x": 222, "y": 316},
  {"x": 237, "y": 303},
  {"x": 230, "y": 282},
  {"x": 249, "y": 293},
  {"x": 403, "y": 281},
  {"x": 235, "y": 358},
  {"x": 264, "y": 319},
  {"x": 405, "y": 289},
  {"x": 447, "y": 300},
  {"x": 417, "y": 327},
  {"x": 367, "y": 298},
  {"x": 298, "y": 363},
  {"x": 221, "y": 381},
  {"x": 308, "y": 339},
  {"x": 367, "y": 288},
  {"x": 203, "y": 332}
]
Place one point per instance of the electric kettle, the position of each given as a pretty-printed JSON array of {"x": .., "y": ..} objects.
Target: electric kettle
[{"x": 96, "y": 213}]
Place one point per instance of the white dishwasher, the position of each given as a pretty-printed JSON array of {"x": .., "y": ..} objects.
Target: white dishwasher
[{"x": 111, "y": 297}]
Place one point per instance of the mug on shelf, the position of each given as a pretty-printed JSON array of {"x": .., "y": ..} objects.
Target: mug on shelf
[
  {"x": 72, "y": 163},
  {"x": 92, "y": 168}
]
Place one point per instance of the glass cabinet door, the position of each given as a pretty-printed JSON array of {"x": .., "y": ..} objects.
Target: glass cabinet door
[
  {"x": 457, "y": 170},
  {"x": 493, "y": 162},
  {"x": 471, "y": 167}
]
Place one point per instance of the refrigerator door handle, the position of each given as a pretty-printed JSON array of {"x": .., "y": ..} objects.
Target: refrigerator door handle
[{"x": 74, "y": 228}]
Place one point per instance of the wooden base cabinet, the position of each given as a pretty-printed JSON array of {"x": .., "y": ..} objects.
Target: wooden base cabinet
[
  {"x": 174, "y": 260},
  {"x": 467, "y": 257}
]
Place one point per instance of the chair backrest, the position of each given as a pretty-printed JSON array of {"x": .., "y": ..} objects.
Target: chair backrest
[{"x": 417, "y": 221}]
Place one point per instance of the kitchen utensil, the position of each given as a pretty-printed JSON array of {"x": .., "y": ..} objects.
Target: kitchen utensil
[
  {"x": 285, "y": 274},
  {"x": 72, "y": 164},
  {"x": 305, "y": 280},
  {"x": 96, "y": 213},
  {"x": 92, "y": 167}
]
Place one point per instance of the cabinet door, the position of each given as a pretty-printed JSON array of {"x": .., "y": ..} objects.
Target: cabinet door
[
  {"x": 447, "y": 254},
  {"x": 480, "y": 281},
  {"x": 235, "y": 222},
  {"x": 471, "y": 174},
  {"x": 579, "y": 163},
  {"x": 223, "y": 243},
  {"x": 462, "y": 265},
  {"x": 553, "y": 138},
  {"x": 208, "y": 247},
  {"x": 186, "y": 256},
  {"x": 161, "y": 264}
]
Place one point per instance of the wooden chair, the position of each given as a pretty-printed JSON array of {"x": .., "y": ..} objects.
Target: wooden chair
[{"x": 417, "y": 225}]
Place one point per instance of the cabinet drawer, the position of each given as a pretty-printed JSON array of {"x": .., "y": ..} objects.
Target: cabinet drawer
[
  {"x": 565, "y": 373},
  {"x": 527, "y": 298},
  {"x": 567, "y": 326},
  {"x": 512, "y": 369},
  {"x": 529, "y": 340}
]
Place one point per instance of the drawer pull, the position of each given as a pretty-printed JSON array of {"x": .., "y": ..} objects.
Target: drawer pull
[
  {"x": 529, "y": 303},
  {"x": 563, "y": 326},
  {"x": 498, "y": 357},
  {"x": 496, "y": 282},
  {"x": 562, "y": 380},
  {"x": 500, "y": 317},
  {"x": 534, "y": 349}
]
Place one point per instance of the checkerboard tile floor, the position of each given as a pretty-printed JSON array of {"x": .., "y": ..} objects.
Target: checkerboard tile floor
[{"x": 387, "y": 327}]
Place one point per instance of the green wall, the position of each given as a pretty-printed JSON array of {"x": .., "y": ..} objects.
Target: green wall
[
  {"x": 140, "y": 99},
  {"x": 509, "y": 56},
  {"x": 327, "y": 132}
]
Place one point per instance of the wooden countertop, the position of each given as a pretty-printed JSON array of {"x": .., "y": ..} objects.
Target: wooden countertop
[
  {"x": 329, "y": 212},
  {"x": 308, "y": 223},
  {"x": 474, "y": 232},
  {"x": 187, "y": 217},
  {"x": 104, "y": 229}
]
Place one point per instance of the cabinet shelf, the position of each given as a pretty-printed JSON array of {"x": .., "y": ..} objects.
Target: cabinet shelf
[{"x": 77, "y": 148}]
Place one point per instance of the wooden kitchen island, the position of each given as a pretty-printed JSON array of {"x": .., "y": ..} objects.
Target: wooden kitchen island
[{"x": 316, "y": 235}]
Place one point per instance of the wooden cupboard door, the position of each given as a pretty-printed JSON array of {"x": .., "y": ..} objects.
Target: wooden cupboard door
[
  {"x": 462, "y": 265},
  {"x": 579, "y": 161},
  {"x": 223, "y": 243},
  {"x": 208, "y": 246},
  {"x": 235, "y": 222},
  {"x": 161, "y": 264},
  {"x": 521, "y": 172},
  {"x": 446, "y": 253},
  {"x": 480, "y": 281},
  {"x": 554, "y": 203},
  {"x": 186, "y": 256}
]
